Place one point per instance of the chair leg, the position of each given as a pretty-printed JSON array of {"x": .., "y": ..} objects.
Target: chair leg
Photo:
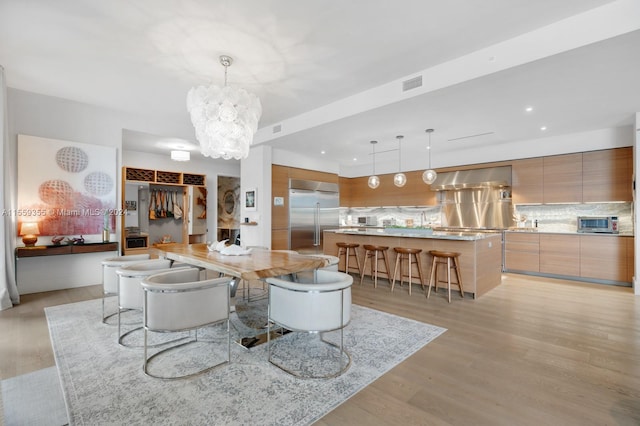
[
  {"x": 410, "y": 270},
  {"x": 420, "y": 271},
  {"x": 364, "y": 266},
  {"x": 395, "y": 272},
  {"x": 449, "y": 277},
  {"x": 386, "y": 265},
  {"x": 434, "y": 264},
  {"x": 375, "y": 269},
  {"x": 455, "y": 263},
  {"x": 355, "y": 251}
]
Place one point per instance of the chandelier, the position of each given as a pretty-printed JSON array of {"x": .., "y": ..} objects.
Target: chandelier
[
  {"x": 225, "y": 118},
  {"x": 429, "y": 175},
  {"x": 399, "y": 179},
  {"x": 374, "y": 181}
]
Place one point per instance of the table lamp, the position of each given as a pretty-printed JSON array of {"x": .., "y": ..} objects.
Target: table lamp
[{"x": 29, "y": 232}]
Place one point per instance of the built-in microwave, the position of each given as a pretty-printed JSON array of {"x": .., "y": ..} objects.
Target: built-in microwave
[
  {"x": 367, "y": 220},
  {"x": 602, "y": 224}
]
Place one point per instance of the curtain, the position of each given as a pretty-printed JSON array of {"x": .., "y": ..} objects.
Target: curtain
[{"x": 8, "y": 289}]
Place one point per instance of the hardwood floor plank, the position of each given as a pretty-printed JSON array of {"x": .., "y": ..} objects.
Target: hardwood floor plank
[{"x": 531, "y": 351}]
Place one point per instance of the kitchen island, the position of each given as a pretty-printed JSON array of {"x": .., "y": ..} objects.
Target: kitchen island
[{"x": 480, "y": 260}]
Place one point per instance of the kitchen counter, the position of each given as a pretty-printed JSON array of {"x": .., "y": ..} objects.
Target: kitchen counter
[
  {"x": 480, "y": 259},
  {"x": 417, "y": 233},
  {"x": 536, "y": 231}
]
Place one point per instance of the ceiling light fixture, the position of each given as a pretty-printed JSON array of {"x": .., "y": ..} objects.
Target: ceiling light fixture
[
  {"x": 429, "y": 175},
  {"x": 399, "y": 179},
  {"x": 225, "y": 118},
  {"x": 374, "y": 181},
  {"x": 180, "y": 155}
]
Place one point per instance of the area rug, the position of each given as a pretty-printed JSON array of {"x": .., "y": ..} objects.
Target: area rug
[
  {"x": 34, "y": 399},
  {"x": 103, "y": 383}
]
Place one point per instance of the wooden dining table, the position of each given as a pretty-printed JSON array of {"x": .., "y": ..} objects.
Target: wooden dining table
[{"x": 259, "y": 264}]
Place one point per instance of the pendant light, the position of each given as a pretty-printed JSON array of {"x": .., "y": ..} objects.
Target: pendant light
[
  {"x": 399, "y": 179},
  {"x": 374, "y": 181},
  {"x": 429, "y": 175}
]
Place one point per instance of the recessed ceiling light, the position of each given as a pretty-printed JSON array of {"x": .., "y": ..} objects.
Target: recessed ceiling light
[
  {"x": 323, "y": 152},
  {"x": 355, "y": 159},
  {"x": 528, "y": 109},
  {"x": 543, "y": 128}
]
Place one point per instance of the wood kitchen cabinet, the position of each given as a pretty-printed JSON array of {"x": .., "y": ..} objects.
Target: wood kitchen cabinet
[
  {"x": 522, "y": 252},
  {"x": 607, "y": 175},
  {"x": 527, "y": 181},
  {"x": 355, "y": 192},
  {"x": 604, "y": 257},
  {"x": 560, "y": 254},
  {"x": 562, "y": 178}
]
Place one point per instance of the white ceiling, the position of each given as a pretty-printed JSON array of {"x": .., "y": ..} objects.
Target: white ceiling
[{"x": 323, "y": 69}]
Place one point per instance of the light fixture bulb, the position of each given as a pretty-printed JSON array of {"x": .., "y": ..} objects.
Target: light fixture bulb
[
  {"x": 374, "y": 181},
  {"x": 429, "y": 175},
  {"x": 399, "y": 180}
]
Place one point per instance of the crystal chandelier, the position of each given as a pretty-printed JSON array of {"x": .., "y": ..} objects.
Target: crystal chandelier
[
  {"x": 374, "y": 181},
  {"x": 429, "y": 175},
  {"x": 399, "y": 179},
  {"x": 225, "y": 118}
]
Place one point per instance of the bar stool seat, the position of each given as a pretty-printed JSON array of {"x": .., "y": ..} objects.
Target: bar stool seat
[
  {"x": 445, "y": 258},
  {"x": 349, "y": 250},
  {"x": 373, "y": 252},
  {"x": 411, "y": 256}
]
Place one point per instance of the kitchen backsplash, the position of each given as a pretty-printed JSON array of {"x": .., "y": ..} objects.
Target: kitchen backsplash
[{"x": 550, "y": 217}]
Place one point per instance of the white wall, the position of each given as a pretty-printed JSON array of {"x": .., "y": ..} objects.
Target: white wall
[
  {"x": 256, "y": 173},
  {"x": 55, "y": 118}
]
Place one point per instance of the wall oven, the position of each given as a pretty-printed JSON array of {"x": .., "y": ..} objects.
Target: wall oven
[{"x": 600, "y": 224}]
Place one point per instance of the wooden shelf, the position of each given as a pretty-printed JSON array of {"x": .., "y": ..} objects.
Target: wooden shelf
[
  {"x": 62, "y": 249},
  {"x": 249, "y": 223}
]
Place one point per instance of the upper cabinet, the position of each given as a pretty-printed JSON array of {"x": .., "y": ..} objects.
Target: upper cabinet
[
  {"x": 595, "y": 176},
  {"x": 562, "y": 178},
  {"x": 607, "y": 175},
  {"x": 355, "y": 192},
  {"x": 526, "y": 185}
]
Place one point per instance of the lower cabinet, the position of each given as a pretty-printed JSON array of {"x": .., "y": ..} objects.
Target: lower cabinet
[
  {"x": 560, "y": 254},
  {"x": 604, "y": 257},
  {"x": 591, "y": 257},
  {"x": 522, "y": 252}
]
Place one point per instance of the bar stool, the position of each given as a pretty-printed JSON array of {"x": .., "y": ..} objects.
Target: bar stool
[
  {"x": 444, "y": 258},
  {"x": 371, "y": 251},
  {"x": 409, "y": 255},
  {"x": 349, "y": 250}
]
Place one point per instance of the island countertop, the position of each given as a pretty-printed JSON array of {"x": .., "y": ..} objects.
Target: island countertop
[
  {"x": 480, "y": 252},
  {"x": 417, "y": 233}
]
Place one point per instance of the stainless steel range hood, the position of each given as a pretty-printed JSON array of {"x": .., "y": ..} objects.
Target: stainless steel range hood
[{"x": 493, "y": 177}]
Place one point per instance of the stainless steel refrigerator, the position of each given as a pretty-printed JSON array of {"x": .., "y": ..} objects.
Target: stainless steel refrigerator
[{"x": 313, "y": 207}]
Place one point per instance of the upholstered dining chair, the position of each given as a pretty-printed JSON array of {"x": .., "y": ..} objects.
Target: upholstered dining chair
[
  {"x": 130, "y": 293},
  {"x": 110, "y": 278},
  {"x": 315, "y": 302},
  {"x": 177, "y": 301}
]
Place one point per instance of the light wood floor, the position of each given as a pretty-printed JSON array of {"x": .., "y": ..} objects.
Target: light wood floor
[{"x": 533, "y": 351}]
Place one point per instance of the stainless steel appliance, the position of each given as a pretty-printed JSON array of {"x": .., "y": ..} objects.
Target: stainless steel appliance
[
  {"x": 599, "y": 224},
  {"x": 367, "y": 220},
  {"x": 313, "y": 207},
  {"x": 476, "y": 199}
]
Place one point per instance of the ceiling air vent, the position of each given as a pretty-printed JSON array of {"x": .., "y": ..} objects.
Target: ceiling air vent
[
  {"x": 412, "y": 83},
  {"x": 277, "y": 128}
]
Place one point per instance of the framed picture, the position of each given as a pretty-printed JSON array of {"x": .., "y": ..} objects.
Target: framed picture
[{"x": 250, "y": 199}]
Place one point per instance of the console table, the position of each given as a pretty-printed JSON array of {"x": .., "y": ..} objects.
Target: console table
[
  {"x": 54, "y": 250},
  {"x": 48, "y": 267}
]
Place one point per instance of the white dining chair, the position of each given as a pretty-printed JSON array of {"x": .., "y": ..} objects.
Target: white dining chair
[
  {"x": 314, "y": 302},
  {"x": 176, "y": 301},
  {"x": 130, "y": 293},
  {"x": 110, "y": 278}
]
